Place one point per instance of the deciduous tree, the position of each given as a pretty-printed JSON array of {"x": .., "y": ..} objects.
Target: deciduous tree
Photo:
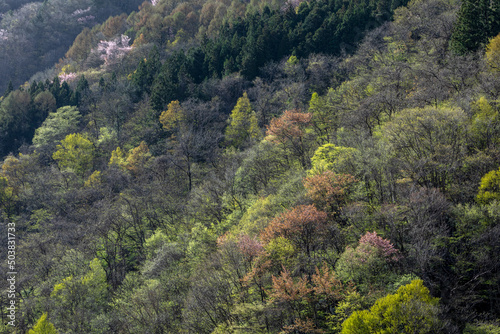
[
  {"x": 43, "y": 326},
  {"x": 410, "y": 310},
  {"x": 304, "y": 225},
  {"x": 329, "y": 191},
  {"x": 243, "y": 124},
  {"x": 290, "y": 131},
  {"x": 57, "y": 125},
  {"x": 76, "y": 153},
  {"x": 429, "y": 144}
]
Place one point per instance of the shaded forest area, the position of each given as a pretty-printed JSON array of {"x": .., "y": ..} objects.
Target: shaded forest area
[
  {"x": 259, "y": 167},
  {"x": 34, "y": 35}
]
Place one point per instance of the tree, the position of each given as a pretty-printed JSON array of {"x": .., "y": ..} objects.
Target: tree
[
  {"x": 172, "y": 117},
  {"x": 308, "y": 299},
  {"x": 43, "y": 326},
  {"x": 169, "y": 84},
  {"x": 148, "y": 68},
  {"x": 493, "y": 53},
  {"x": 489, "y": 189},
  {"x": 118, "y": 158},
  {"x": 368, "y": 264},
  {"x": 324, "y": 119},
  {"x": 76, "y": 153},
  {"x": 410, "y": 310},
  {"x": 7, "y": 197},
  {"x": 289, "y": 131},
  {"x": 472, "y": 27},
  {"x": 81, "y": 46},
  {"x": 304, "y": 225},
  {"x": 82, "y": 90},
  {"x": 328, "y": 190},
  {"x": 338, "y": 159},
  {"x": 79, "y": 300},
  {"x": 429, "y": 144},
  {"x": 57, "y": 125},
  {"x": 17, "y": 123},
  {"x": 243, "y": 125},
  {"x": 485, "y": 123},
  {"x": 138, "y": 158},
  {"x": 44, "y": 103},
  {"x": 146, "y": 307}
]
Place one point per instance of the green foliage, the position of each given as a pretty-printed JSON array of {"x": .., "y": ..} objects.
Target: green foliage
[
  {"x": 493, "y": 53},
  {"x": 169, "y": 83},
  {"x": 242, "y": 123},
  {"x": 250, "y": 316},
  {"x": 352, "y": 303},
  {"x": 262, "y": 169},
  {"x": 16, "y": 123},
  {"x": 145, "y": 307},
  {"x": 171, "y": 117},
  {"x": 410, "y": 310},
  {"x": 144, "y": 76},
  {"x": 369, "y": 264},
  {"x": 429, "y": 142},
  {"x": 485, "y": 125},
  {"x": 489, "y": 189},
  {"x": 335, "y": 158},
  {"x": 76, "y": 153},
  {"x": 154, "y": 243},
  {"x": 325, "y": 119},
  {"x": 43, "y": 326},
  {"x": 175, "y": 216},
  {"x": 473, "y": 26},
  {"x": 57, "y": 125},
  {"x": 482, "y": 328},
  {"x": 118, "y": 158},
  {"x": 45, "y": 103},
  {"x": 78, "y": 300},
  {"x": 94, "y": 180},
  {"x": 81, "y": 47},
  {"x": 7, "y": 196},
  {"x": 138, "y": 158},
  {"x": 282, "y": 251}
]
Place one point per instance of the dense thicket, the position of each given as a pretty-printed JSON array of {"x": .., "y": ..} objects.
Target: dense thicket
[
  {"x": 229, "y": 167},
  {"x": 476, "y": 23}
]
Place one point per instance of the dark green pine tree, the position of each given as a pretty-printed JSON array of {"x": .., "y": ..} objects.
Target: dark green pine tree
[
  {"x": 33, "y": 89},
  {"x": 55, "y": 87},
  {"x": 168, "y": 85},
  {"x": 473, "y": 26},
  {"x": 82, "y": 88},
  {"x": 64, "y": 96},
  {"x": 146, "y": 72},
  {"x": 495, "y": 18}
]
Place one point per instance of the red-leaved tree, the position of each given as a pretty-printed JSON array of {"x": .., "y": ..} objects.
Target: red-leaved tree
[
  {"x": 383, "y": 247},
  {"x": 289, "y": 131},
  {"x": 303, "y": 225}
]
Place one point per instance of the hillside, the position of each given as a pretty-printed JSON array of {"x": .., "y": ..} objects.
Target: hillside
[
  {"x": 258, "y": 167},
  {"x": 34, "y": 35}
]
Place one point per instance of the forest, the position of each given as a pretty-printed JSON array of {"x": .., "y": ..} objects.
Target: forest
[{"x": 260, "y": 166}]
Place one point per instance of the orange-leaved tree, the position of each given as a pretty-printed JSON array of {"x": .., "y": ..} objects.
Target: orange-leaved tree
[
  {"x": 290, "y": 132},
  {"x": 305, "y": 226},
  {"x": 308, "y": 301},
  {"x": 328, "y": 190}
]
